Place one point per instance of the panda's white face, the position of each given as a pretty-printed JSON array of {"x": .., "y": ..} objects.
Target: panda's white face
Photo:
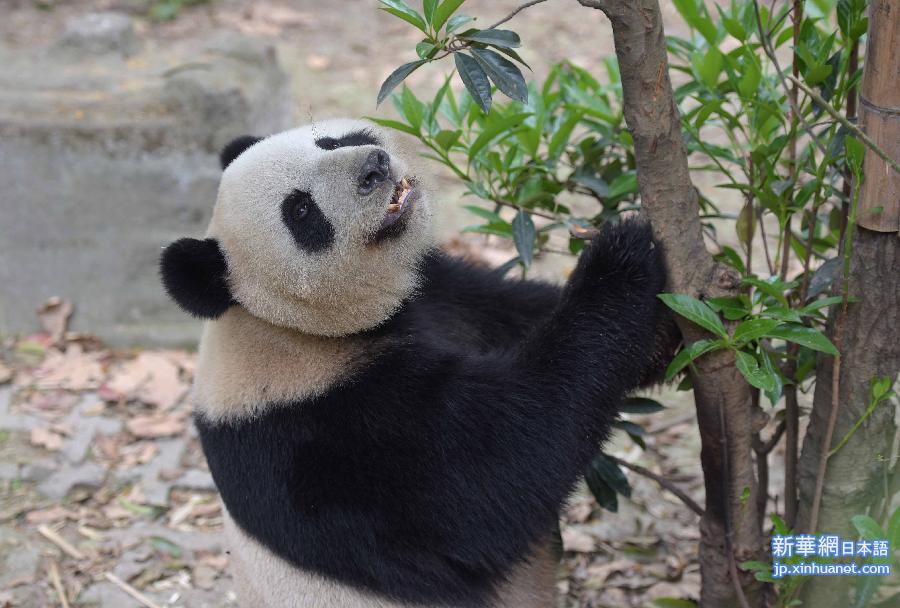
[{"x": 322, "y": 227}]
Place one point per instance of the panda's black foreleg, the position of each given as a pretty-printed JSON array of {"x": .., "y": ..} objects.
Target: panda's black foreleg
[{"x": 522, "y": 427}]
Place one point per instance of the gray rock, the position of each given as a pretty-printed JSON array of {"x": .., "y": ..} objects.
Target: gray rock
[
  {"x": 58, "y": 484},
  {"x": 97, "y": 34},
  {"x": 38, "y": 470},
  {"x": 195, "y": 479},
  {"x": 14, "y": 422},
  {"x": 105, "y": 161},
  {"x": 85, "y": 428},
  {"x": 155, "y": 488},
  {"x": 20, "y": 556}
]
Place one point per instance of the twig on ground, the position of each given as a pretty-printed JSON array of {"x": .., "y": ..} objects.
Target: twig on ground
[
  {"x": 662, "y": 481},
  {"x": 140, "y": 597},
  {"x": 57, "y": 585},
  {"x": 54, "y": 537}
]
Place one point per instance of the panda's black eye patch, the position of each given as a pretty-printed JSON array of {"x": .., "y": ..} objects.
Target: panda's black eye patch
[
  {"x": 362, "y": 137},
  {"x": 308, "y": 225}
]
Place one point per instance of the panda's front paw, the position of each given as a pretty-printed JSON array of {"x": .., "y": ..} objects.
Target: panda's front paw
[{"x": 623, "y": 255}]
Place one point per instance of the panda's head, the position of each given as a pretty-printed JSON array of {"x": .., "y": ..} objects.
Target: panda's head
[{"x": 320, "y": 228}]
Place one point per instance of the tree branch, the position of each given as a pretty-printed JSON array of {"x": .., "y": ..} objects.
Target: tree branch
[
  {"x": 857, "y": 132},
  {"x": 689, "y": 502},
  {"x": 515, "y": 12},
  {"x": 669, "y": 201}
]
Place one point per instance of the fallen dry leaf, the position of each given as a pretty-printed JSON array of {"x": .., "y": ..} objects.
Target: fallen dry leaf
[
  {"x": 5, "y": 373},
  {"x": 72, "y": 370},
  {"x": 318, "y": 62},
  {"x": 156, "y": 425},
  {"x": 49, "y": 515},
  {"x": 577, "y": 541},
  {"x": 45, "y": 438},
  {"x": 152, "y": 378},
  {"x": 140, "y": 452},
  {"x": 54, "y": 316}
]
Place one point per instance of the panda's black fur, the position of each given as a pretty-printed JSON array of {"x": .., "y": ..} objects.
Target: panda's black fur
[
  {"x": 438, "y": 466},
  {"x": 432, "y": 473}
]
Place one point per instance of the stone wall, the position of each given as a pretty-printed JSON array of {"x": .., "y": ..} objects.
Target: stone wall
[{"x": 108, "y": 151}]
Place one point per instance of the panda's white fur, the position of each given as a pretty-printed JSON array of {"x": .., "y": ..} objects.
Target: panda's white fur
[
  {"x": 389, "y": 427},
  {"x": 351, "y": 286},
  {"x": 263, "y": 579},
  {"x": 245, "y": 364}
]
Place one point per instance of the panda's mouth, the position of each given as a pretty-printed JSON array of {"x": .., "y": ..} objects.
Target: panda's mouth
[
  {"x": 399, "y": 202},
  {"x": 394, "y": 222}
]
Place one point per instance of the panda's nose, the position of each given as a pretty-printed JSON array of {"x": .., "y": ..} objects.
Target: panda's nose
[{"x": 375, "y": 170}]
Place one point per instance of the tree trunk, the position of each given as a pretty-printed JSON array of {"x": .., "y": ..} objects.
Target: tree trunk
[
  {"x": 853, "y": 481},
  {"x": 729, "y": 528}
]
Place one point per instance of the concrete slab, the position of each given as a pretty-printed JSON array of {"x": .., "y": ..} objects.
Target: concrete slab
[{"x": 108, "y": 151}]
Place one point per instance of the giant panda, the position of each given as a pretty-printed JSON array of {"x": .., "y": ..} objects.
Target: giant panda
[{"x": 387, "y": 425}]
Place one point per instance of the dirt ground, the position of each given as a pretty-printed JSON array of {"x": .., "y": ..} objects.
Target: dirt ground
[{"x": 105, "y": 499}]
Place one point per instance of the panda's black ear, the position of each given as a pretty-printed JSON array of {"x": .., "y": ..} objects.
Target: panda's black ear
[
  {"x": 235, "y": 148},
  {"x": 193, "y": 273}
]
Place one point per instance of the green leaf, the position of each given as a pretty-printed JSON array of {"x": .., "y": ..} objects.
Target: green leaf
[
  {"x": 745, "y": 225},
  {"x": 623, "y": 184},
  {"x": 732, "y": 309},
  {"x": 424, "y": 49},
  {"x": 894, "y": 529},
  {"x": 732, "y": 25},
  {"x": 710, "y": 66},
  {"x": 629, "y": 427},
  {"x": 855, "y": 152},
  {"x": 393, "y": 124},
  {"x": 496, "y": 228},
  {"x": 476, "y": 81},
  {"x": 750, "y": 78},
  {"x": 508, "y": 265},
  {"x": 429, "y": 6},
  {"x": 443, "y": 12},
  {"x": 867, "y": 527},
  {"x": 749, "y": 367},
  {"x": 561, "y": 136},
  {"x": 609, "y": 471},
  {"x": 753, "y": 329},
  {"x": 446, "y": 139},
  {"x": 641, "y": 405},
  {"x": 819, "y": 304},
  {"x": 695, "y": 311},
  {"x": 502, "y": 73},
  {"x": 767, "y": 288},
  {"x": 396, "y": 77},
  {"x": 458, "y": 20},
  {"x": 484, "y": 213},
  {"x": 523, "y": 236},
  {"x": 768, "y": 367},
  {"x": 166, "y": 546},
  {"x": 605, "y": 495},
  {"x": 672, "y": 602},
  {"x": 495, "y": 129},
  {"x": 413, "y": 109},
  {"x": 805, "y": 336},
  {"x": 866, "y": 588},
  {"x": 689, "y": 353},
  {"x": 503, "y": 38},
  {"x": 690, "y": 11},
  {"x": 401, "y": 9}
]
